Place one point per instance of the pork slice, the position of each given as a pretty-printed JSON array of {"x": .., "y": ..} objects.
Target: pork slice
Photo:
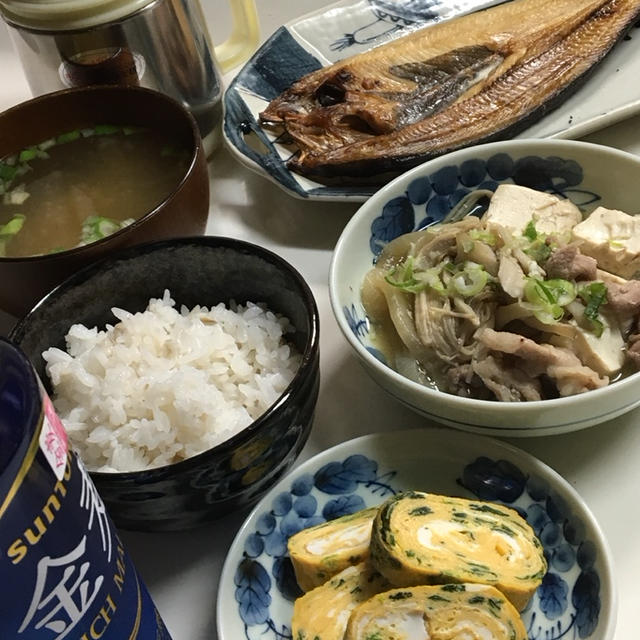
[
  {"x": 508, "y": 384},
  {"x": 538, "y": 356},
  {"x": 463, "y": 381},
  {"x": 633, "y": 350},
  {"x": 633, "y": 345},
  {"x": 569, "y": 264},
  {"x": 624, "y": 299},
  {"x": 572, "y": 379},
  {"x": 562, "y": 365}
]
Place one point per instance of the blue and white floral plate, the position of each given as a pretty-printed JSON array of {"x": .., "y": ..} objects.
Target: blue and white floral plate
[
  {"x": 577, "y": 598},
  {"x": 348, "y": 27}
]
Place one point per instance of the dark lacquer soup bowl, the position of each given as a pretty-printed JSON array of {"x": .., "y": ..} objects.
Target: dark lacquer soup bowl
[{"x": 32, "y": 132}]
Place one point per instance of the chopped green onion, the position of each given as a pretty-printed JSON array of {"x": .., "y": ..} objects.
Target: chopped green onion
[
  {"x": 105, "y": 129},
  {"x": 547, "y": 315},
  {"x": 483, "y": 236},
  {"x": 9, "y": 230},
  {"x": 13, "y": 226},
  {"x": 597, "y": 326},
  {"x": 536, "y": 292},
  {"x": 431, "y": 277},
  {"x": 95, "y": 228},
  {"x": 69, "y": 136},
  {"x": 450, "y": 267},
  {"x": 548, "y": 297},
  {"x": 466, "y": 280},
  {"x": 530, "y": 232},
  {"x": 27, "y": 154},
  {"x": 406, "y": 278},
  {"x": 466, "y": 242},
  {"x": 539, "y": 250},
  {"x": 539, "y": 247},
  {"x": 594, "y": 296},
  {"x": 543, "y": 296},
  {"x": 7, "y": 171},
  {"x": 562, "y": 290},
  {"x": 470, "y": 281},
  {"x": 401, "y": 277}
]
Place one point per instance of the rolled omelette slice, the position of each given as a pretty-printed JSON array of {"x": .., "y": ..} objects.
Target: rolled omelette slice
[
  {"x": 442, "y": 612},
  {"x": 320, "y": 552},
  {"x": 420, "y": 538},
  {"x": 323, "y": 612}
]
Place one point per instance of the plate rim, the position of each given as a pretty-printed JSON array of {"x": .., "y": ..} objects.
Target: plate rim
[{"x": 493, "y": 446}]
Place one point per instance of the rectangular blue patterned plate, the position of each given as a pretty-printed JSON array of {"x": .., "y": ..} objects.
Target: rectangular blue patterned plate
[{"x": 349, "y": 27}]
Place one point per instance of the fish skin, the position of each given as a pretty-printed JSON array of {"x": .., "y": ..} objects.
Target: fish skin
[{"x": 374, "y": 115}]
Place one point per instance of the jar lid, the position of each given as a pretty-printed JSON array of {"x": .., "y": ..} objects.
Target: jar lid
[{"x": 67, "y": 15}]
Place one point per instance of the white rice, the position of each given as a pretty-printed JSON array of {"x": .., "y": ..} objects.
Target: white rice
[{"x": 161, "y": 386}]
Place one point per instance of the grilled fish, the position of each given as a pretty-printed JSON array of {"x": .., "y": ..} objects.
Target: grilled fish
[{"x": 476, "y": 78}]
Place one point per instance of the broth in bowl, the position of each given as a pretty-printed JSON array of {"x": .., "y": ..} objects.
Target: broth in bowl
[
  {"x": 84, "y": 185},
  {"x": 531, "y": 301}
]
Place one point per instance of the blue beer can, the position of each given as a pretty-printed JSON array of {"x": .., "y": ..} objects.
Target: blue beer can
[{"x": 64, "y": 572}]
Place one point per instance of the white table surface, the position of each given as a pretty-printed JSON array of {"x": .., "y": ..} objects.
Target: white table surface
[{"x": 182, "y": 570}]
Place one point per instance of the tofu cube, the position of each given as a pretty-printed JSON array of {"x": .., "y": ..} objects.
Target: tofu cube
[
  {"x": 613, "y": 238},
  {"x": 604, "y": 354},
  {"x": 513, "y": 207}
]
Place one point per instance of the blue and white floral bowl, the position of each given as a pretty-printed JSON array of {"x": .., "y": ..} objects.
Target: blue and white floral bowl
[
  {"x": 588, "y": 174},
  {"x": 576, "y": 600}
]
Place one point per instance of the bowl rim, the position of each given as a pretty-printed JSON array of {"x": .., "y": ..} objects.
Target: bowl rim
[
  {"x": 549, "y": 146},
  {"x": 310, "y": 354},
  {"x": 195, "y": 149}
]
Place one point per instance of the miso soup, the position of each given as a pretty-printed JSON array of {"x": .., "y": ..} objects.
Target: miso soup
[{"x": 84, "y": 185}]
